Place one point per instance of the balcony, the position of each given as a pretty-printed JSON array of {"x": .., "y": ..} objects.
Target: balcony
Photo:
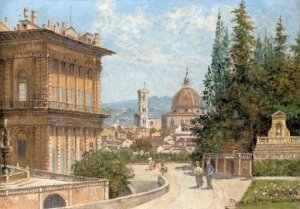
[{"x": 42, "y": 104}]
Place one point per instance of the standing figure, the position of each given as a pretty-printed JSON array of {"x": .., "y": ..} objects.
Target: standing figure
[
  {"x": 163, "y": 168},
  {"x": 209, "y": 171},
  {"x": 198, "y": 171},
  {"x": 152, "y": 164}
]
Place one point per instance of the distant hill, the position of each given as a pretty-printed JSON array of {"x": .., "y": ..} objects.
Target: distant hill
[{"x": 123, "y": 112}]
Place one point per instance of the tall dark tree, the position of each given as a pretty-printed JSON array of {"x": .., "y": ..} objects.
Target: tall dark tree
[
  {"x": 242, "y": 39},
  {"x": 220, "y": 61},
  {"x": 208, "y": 91}
]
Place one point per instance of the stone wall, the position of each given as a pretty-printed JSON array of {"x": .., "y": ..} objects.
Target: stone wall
[
  {"x": 76, "y": 191},
  {"x": 129, "y": 201}
]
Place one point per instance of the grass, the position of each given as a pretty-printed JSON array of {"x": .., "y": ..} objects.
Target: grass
[
  {"x": 271, "y": 194},
  {"x": 282, "y": 205}
]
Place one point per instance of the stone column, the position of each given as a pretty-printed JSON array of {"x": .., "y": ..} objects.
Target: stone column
[
  {"x": 250, "y": 167},
  {"x": 224, "y": 165},
  {"x": 87, "y": 139},
  {"x": 50, "y": 151},
  {"x": 59, "y": 83},
  {"x": 69, "y": 195},
  {"x": 106, "y": 191},
  {"x": 240, "y": 164},
  {"x": 76, "y": 71},
  {"x": 41, "y": 198},
  {"x": 98, "y": 140},
  {"x": 98, "y": 88},
  {"x": 77, "y": 144},
  {"x": 84, "y": 89},
  {"x": 217, "y": 164},
  {"x": 58, "y": 148},
  {"x": 67, "y": 66},
  {"x": 68, "y": 140}
]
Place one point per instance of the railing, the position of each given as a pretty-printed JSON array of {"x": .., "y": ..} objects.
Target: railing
[
  {"x": 294, "y": 139},
  {"x": 57, "y": 176},
  {"x": 73, "y": 182},
  {"x": 267, "y": 140},
  {"x": 227, "y": 155},
  {"x": 263, "y": 140},
  {"x": 52, "y": 105}
]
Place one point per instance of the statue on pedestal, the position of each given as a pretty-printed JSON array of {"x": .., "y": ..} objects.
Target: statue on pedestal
[{"x": 5, "y": 148}]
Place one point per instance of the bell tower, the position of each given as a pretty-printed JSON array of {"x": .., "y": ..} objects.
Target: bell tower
[{"x": 143, "y": 107}]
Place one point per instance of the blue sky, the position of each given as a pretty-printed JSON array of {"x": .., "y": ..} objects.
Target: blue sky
[{"x": 155, "y": 40}]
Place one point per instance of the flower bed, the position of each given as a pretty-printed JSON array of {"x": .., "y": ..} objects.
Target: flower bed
[{"x": 263, "y": 192}]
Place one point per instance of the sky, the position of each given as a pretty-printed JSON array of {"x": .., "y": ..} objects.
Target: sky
[{"x": 155, "y": 40}]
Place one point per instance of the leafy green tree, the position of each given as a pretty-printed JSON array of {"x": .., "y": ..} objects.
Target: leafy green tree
[
  {"x": 104, "y": 164},
  {"x": 141, "y": 146},
  {"x": 207, "y": 134}
]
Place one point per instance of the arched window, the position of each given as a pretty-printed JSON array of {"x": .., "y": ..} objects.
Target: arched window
[
  {"x": 22, "y": 149},
  {"x": 21, "y": 140},
  {"x": 151, "y": 123},
  {"x": 278, "y": 129},
  {"x": 143, "y": 97},
  {"x": 182, "y": 125},
  {"x": 144, "y": 121},
  {"x": 172, "y": 121},
  {"x": 144, "y": 109},
  {"x": 22, "y": 86}
]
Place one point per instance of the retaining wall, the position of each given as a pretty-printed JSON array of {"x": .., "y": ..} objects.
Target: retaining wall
[{"x": 129, "y": 201}]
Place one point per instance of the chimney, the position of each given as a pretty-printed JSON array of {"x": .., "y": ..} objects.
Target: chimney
[
  {"x": 57, "y": 28},
  {"x": 96, "y": 39},
  {"x": 34, "y": 16},
  {"x": 26, "y": 13},
  {"x": 63, "y": 25},
  {"x": 50, "y": 25},
  {"x": 6, "y": 22}
]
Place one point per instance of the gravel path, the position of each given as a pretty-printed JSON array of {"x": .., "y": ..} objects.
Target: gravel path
[{"x": 184, "y": 195}]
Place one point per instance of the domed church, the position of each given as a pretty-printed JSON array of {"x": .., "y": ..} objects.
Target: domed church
[{"x": 186, "y": 105}]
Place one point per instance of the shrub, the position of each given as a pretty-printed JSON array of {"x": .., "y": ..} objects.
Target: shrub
[
  {"x": 276, "y": 168},
  {"x": 105, "y": 164}
]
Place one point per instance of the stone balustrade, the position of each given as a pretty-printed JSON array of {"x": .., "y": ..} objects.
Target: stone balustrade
[
  {"x": 74, "y": 182},
  {"x": 267, "y": 140},
  {"x": 227, "y": 155},
  {"x": 52, "y": 105}
]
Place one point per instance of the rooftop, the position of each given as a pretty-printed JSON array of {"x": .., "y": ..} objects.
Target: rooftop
[{"x": 30, "y": 27}]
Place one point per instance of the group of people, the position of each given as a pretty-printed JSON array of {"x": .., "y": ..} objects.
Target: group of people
[
  {"x": 199, "y": 173},
  {"x": 162, "y": 168}
]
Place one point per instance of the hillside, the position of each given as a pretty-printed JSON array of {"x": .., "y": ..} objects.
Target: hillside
[{"x": 123, "y": 112}]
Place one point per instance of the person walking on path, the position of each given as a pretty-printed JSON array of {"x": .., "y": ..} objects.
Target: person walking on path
[
  {"x": 209, "y": 171},
  {"x": 198, "y": 171}
]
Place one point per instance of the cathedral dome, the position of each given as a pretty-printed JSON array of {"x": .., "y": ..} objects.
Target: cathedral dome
[{"x": 186, "y": 99}]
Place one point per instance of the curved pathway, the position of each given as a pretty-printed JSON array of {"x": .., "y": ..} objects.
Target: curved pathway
[{"x": 184, "y": 195}]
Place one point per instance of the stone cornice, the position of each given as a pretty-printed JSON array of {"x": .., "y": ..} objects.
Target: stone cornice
[{"x": 54, "y": 38}]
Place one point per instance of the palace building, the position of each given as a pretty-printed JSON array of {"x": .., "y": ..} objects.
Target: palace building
[{"x": 50, "y": 83}]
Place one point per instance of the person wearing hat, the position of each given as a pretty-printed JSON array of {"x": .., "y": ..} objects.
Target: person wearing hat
[
  {"x": 198, "y": 171},
  {"x": 209, "y": 171}
]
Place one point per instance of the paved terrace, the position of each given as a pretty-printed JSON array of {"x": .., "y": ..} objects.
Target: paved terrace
[{"x": 184, "y": 195}]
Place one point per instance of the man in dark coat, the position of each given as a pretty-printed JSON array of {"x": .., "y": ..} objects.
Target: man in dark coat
[{"x": 209, "y": 171}]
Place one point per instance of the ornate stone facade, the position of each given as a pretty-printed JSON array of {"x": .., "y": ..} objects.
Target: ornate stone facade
[
  {"x": 50, "y": 87},
  {"x": 186, "y": 105},
  {"x": 278, "y": 144}
]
